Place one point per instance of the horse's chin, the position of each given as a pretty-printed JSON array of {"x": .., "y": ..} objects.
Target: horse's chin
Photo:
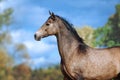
[{"x": 38, "y": 39}]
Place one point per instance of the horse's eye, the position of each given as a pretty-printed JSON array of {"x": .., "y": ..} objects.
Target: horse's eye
[{"x": 47, "y": 24}]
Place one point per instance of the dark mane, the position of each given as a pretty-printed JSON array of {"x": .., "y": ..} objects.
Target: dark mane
[{"x": 70, "y": 27}]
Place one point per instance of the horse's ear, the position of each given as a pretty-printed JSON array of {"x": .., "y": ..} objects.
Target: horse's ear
[
  {"x": 53, "y": 15},
  {"x": 50, "y": 13}
]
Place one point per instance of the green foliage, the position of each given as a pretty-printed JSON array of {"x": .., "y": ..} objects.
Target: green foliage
[
  {"x": 109, "y": 35},
  {"x": 5, "y": 38},
  {"x": 22, "y": 72},
  {"x": 5, "y": 17},
  {"x": 5, "y": 64},
  {"x": 5, "y": 20},
  {"x": 86, "y": 33},
  {"x": 6, "y": 59},
  {"x": 21, "y": 50},
  {"x": 51, "y": 73}
]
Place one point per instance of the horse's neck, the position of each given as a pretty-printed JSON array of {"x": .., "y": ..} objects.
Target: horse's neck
[{"x": 67, "y": 44}]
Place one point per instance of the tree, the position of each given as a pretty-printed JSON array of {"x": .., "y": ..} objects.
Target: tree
[
  {"x": 109, "y": 34},
  {"x": 6, "y": 59},
  {"x": 18, "y": 49},
  {"x": 51, "y": 73},
  {"x": 86, "y": 33},
  {"x": 22, "y": 72}
]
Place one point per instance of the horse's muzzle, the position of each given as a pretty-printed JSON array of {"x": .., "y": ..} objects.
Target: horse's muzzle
[{"x": 36, "y": 37}]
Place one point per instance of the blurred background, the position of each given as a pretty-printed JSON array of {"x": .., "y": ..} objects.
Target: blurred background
[{"x": 23, "y": 58}]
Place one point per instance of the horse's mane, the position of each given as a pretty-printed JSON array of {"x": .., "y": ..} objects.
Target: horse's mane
[{"x": 71, "y": 28}]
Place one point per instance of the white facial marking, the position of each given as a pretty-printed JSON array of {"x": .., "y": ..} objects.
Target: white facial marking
[
  {"x": 51, "y": 25},
  {"x": 38, "y": 33}
]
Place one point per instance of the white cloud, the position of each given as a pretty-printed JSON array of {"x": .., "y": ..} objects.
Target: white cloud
[
  {"x": 21, "y": 35},
  {"x": 1, "y": 6},
  {"x": 38, "y": 51},
  {"x": 27, "y": 38},
  {"x": 24, "y": 13},
  {"x": 39, "y": 47},
  {"x": 9, "y": 3},
  {"x": 30, "y": 15},
  {"x": 38, "y": 60}
]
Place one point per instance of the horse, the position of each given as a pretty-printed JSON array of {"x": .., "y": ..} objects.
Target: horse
[{"x": 78, "y": 60}]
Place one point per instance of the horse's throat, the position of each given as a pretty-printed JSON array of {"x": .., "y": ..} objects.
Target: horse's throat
[{"x": 66, "y": 45}]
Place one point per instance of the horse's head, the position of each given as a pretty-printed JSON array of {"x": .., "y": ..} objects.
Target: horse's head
[{"x": 50, "y": 27}]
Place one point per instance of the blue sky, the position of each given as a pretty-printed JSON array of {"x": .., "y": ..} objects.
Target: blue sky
[{"x": 29, "y": 15}]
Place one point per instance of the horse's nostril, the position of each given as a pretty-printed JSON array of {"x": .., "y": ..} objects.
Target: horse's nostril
[{"x": 35, "y": 36}]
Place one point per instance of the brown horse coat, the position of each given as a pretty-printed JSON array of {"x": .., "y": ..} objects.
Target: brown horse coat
[{"x": 79, "y": 61}]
